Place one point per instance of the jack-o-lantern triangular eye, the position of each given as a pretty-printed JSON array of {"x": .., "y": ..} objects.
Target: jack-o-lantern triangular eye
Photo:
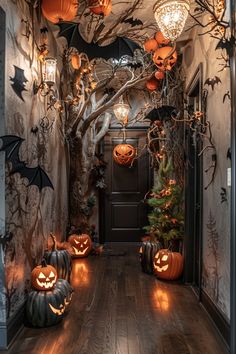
[
  {"x": 76, "y": 241},
  {"x": 41, "y": 276},
  {"x": 164, "y": 258},
  {"x": 85, "y": 242},
  {"x": 51, "y": 275}
]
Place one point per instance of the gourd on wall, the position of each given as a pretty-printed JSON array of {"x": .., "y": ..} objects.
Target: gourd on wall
[
  {"x": 216, "y": 218},
  {"x": 31, "y": 214}
]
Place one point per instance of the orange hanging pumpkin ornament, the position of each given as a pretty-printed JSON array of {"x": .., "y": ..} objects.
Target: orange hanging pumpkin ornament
[
  {"x": 55, "y": 10},
  {"x": 165, "y": 58},
  {"x": 150, "y": 45},
  {"x": 152, "y": 84},
  {"x": 124, "y": 154}
]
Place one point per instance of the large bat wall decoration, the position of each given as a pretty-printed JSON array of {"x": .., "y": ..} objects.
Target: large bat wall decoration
[
  {"x": 18, "y": 82},
  {"x": 36, "y": 175},
  {"x": 120, "y": 47}
]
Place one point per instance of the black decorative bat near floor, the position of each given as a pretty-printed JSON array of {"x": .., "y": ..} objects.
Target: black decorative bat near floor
[
  {"x": 36, "y": 175},
  {"x": 120, "y": 47},
  {"x": 18, "y": 82}
]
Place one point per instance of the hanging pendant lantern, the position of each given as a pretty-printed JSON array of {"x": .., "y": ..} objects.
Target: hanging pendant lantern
[
  {"x": 171, "y": 16},
  {"x": 121, "y": 111}
]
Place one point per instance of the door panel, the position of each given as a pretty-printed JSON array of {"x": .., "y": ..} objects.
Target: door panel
[{"x": 125, "y": 211}]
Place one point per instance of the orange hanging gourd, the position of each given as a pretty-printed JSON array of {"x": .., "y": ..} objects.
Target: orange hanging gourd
[
  {"x": 159, "y": 75},
  {"x": 75, "y": 61},
  {"x": 124, "y": 154},
  {"x": 63, "y": 10},
  {"x": 100, "y": 7},
  {"x": 150, "y": 45},
  {"x": 165, "y": 58},
  {"x": 168, "y": 265},
  {"x": 161, "y": 39},
  {"x": 152, "y": 84}
]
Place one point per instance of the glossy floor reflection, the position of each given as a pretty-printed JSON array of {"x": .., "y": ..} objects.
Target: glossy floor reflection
[{"x": 117, "y": 309}]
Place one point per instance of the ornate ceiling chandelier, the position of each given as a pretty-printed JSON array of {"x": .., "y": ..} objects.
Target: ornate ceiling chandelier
[{"x": 171, "y": 16}]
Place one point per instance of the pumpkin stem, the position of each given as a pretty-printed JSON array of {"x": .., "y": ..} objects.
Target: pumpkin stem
[
  {"x": 54, "y": 240},
  {"x": 44, "y": 263}
]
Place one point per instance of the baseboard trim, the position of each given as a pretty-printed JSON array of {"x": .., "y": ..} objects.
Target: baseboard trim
[
  {"x": 14, "y": 325},
  {"x": 219, "y": 320}
]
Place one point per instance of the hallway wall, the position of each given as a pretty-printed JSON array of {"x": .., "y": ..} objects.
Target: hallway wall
[
  {"x": 30, "y": 214},
  {"x": 216, "y": 198}
]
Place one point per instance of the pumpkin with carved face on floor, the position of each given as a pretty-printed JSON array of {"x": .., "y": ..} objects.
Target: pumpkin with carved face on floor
[
  {"x": 81, "y": 244},
  {"x": 47, "y": 308},
  {"x": 123, "y": 154},
  {"x": 165, "y": 58},
  {"x": 43, "y": 277},
  {"x": 168, "y": 265}
]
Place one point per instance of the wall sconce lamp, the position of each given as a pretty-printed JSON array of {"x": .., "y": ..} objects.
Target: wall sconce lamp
[{"x": 48, "y": 75}]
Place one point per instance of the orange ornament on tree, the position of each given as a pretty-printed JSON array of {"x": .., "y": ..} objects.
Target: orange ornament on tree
[
  {"x": 150, "y": 45},
  {"x": 165, "y": 58},
  {"x": 152, "y": 84},
  {"x": 161, "y": 39},
  {"x": 55, "y": 10},
  {"x": 75, "y": 61}
]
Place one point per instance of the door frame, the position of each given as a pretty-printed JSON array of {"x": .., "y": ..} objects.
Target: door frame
[
  {"x": 233, "y": 185},
  {"x": 190, "y": 271}
]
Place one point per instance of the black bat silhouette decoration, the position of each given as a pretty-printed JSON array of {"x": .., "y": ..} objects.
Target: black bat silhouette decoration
[
  {"x": 162, "y": 113},
  {"x": 212, "y": 81},
  {"x": 226, "y": 95},
  {"x": 11, "y": 145},
  {"x": 18, "y": 82},
  {"x": 228, "y": 155},
  {"x": 226, "y": 44},
  {"x": 120, "y": 47},
  {"x": 133, "y": 21}
]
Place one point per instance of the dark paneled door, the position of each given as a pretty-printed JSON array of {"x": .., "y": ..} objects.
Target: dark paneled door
[{"x": 125, "y": 212}]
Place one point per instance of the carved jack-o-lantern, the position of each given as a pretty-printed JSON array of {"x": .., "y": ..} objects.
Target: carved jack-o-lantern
[
  {"x": 100, "y": 7},
  {"x": 55, "y": 10},
  {"x": 82, "y": 245},
  {"x": 165, "y": 58},
  {"x": 124, "y": 154},
  {"x": 43, "y": 277},
  {"x": 168, "y": 265}
]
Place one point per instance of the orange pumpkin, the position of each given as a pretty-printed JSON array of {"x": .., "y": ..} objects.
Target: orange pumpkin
[
  {"x": 150, "y": 45},
  {"x": 168, "y": 265},
  {"x": 165, "y": 58},
  {"x": 152, "y": 84},
  {"x": 161, "y": 39},
  {"x": 81, "y": 244},
  {"x": 100, "y": 7},
  {"x": 43, "y": 277},
  {"x": 124, "y": 154},
  {"x": 159, "y": 75},
  {"x": 55, "y": 10}
]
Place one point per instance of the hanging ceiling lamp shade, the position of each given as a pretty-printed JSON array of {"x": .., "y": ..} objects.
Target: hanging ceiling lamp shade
[{"x": 171, "y": 16}]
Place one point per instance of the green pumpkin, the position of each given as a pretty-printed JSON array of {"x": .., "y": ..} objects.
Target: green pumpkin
[
  {"x": 60, "y": 260},
  {"x": 147, "y": 253},
  {"x": 45, "y": 308},
  {"x": 66, "y": 289}
]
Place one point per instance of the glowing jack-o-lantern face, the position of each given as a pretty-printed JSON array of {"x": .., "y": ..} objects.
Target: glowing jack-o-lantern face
[
  {"x": 81, "y": 244},
  {"x": 165, "y": 58},
  {"x": 124, "y": 154},
  {"x": 43, "y": 277},
  {"x": 168, "y": 265},
  {"x": 59, "y": 311}
]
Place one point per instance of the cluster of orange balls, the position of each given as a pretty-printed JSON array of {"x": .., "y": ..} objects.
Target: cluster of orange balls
[{"x": 164, "y": 57}]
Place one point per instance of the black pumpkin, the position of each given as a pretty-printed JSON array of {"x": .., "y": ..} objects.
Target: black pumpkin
[
  {"x": 66, "y": 289},
  {"x": 59, "y": 259},
  {"x": 147, "y": 253},
  {"x": 45, "y": 308}
]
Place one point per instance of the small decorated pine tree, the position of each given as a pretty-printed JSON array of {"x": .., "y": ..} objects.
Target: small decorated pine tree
[{"x": 166, "y": 220}]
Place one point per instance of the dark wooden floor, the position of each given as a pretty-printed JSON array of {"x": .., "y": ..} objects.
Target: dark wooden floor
[{"x": 117, "y": 309}]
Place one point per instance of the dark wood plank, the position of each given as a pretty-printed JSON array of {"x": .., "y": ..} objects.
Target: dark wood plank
[{"x": 117, "y": 309}]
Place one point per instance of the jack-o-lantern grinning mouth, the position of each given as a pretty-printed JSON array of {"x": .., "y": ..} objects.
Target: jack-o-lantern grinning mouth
[
  {"x": 59, "y": 311},
  {"x": 80, "y": 252}
]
